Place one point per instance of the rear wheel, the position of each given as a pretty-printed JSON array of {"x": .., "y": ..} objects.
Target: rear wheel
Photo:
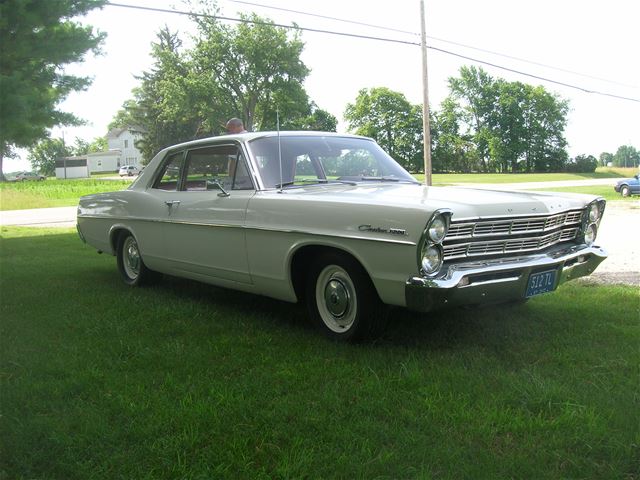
[
  {"x": 625, "y": 191},
  {"x": 133, "y": 270},
  {"x": 341, "y": 299}
]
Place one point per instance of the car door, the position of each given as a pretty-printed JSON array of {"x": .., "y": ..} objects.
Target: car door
[{"x": 205, "y": 214}]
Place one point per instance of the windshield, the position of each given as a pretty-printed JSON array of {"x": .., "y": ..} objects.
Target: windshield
[{"x": 316, "y": 159}]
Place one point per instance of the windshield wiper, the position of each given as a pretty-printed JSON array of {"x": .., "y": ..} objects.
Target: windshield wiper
[
  {"x": 386, "y": 179},
  {"x": 312, "y": 181},
  {"x": 380, "y": 179},
  {"x": 285, "y": 184}
]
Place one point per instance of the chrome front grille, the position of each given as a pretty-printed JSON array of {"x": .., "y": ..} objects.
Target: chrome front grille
[{"x": 494, "y": 237}]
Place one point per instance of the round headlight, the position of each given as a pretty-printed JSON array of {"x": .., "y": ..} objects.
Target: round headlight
[
  {"x": 590, "y": 234},
  {"x": 431, "y": 259},
  {"x": 437, "y": 229},
  {"x": 594, "y": 212}
]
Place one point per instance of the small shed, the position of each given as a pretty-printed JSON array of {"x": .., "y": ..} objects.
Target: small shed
[
  {"x": 108, "y": 161},
  {"x": 72, "y": 167}
]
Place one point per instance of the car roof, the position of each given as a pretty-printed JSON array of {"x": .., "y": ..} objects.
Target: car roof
[{"x": 248, "y": 136}]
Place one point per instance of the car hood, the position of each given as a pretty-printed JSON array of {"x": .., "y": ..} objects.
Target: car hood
[
  {"x": 385, "y": 210},
  {"x": 626, "y": 180},
  {"x": 464, "y": 202}
]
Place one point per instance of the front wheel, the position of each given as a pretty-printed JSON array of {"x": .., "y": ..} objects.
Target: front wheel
[
  {"x": 625, "y": 191},
  {"x": 133, "y": 270},
  {"x": 341, "y": 299}
]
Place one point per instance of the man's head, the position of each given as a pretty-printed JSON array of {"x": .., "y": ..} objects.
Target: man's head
[{"x": 235, "y": 125}]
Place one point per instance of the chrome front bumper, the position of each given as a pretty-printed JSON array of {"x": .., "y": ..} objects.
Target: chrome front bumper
[{"x": 498, "y": 280}]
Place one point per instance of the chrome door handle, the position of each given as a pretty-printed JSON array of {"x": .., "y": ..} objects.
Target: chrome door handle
[{"x": 171, "y": 203}]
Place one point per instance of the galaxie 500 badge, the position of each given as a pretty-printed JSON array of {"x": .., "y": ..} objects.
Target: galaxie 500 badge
[{"x": 391, "y": 231}]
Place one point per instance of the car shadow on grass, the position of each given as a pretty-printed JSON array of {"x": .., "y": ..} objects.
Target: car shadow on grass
[{"x": 435, "y": 330}]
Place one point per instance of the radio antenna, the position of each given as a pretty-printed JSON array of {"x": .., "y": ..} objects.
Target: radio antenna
[{"x": 279, "y": 147}]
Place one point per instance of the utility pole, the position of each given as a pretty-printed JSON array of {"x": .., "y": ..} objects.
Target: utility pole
[
  {"x": 425, "y": 100},
  {"x": 64, "y": 159}
]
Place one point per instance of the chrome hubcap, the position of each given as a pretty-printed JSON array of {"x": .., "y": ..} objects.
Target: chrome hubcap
[
  {"x": 336, "y": 298},
  {"x": 131, "y": 258}
]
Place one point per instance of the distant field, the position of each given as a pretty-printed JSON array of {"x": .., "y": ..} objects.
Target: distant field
[
  {"x": 606, "y": 192},
  {"x": 454, "y": 178},
  {"x": 53, "y": 192},
  {"x": 104, "y": 174}
]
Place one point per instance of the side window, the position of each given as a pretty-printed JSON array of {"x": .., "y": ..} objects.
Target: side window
[
  {"x": 219, "y": 165},
  {"x": 170, "y": 176}
]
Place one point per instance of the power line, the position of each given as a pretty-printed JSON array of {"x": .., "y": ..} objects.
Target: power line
[
  {"x": 369, "y": 37},
  {"x": 255, "y": 22},
  {"x": 471, "y": 47},
  {"x": 511, "y": 57},
  {"x": 326, "y": 17}
]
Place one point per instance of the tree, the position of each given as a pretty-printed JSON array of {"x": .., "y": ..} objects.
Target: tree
[
  {"x": 165, "y": 106},
  {"x": 390, "y": 119},
  {"x": 251, "y": 69},
  {"x": 452, "y": 151},
  {"x": 82, "y": 147},
  {"x": 582, "y": 164},
  {"x": 606, "y": 158},
  {"x": 44, "y": 154},
  {"x": 514, "y": 126},
  {"x": 43, "y": 38},
  {"x": 476, "y": 94},
  {"x": 626, "y": 156},
  {"x": 317, "y": 120}
]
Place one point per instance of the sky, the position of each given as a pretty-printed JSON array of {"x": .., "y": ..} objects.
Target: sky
[{"x": 589, "y": 44}]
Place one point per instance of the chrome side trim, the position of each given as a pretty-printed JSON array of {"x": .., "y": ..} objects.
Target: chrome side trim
[{"x": 265, "y": 229}]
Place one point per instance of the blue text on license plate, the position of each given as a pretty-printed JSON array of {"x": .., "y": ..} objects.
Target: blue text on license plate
[{"x": 541, "y": 282}]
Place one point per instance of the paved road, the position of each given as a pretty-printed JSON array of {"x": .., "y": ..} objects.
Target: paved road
[
  {"x": 619, "y": 231},
  {"x": 40, "y": 217}
]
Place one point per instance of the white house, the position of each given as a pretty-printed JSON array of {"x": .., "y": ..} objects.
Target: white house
[{"x": 123, "y": 140}]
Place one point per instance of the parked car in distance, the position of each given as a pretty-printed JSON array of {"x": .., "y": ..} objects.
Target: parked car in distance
[
  {"x": 333, "y": 221},
  {"x": 128, "y": 171},
  {"x": 29, "y": 176},
  {"x": 628, "y": 186}
]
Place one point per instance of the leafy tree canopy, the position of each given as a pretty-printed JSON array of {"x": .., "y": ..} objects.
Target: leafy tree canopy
[
  {"x": 44, "y": 154},
  {"x": 390, "y": 119},
  {"x": 582, "y": 164},
  {"x": 626, "y": 156},
  {"x": 247, "y": 71},
  {"x": 514, "y": 126},
  {"x": 38, "y": 39}
]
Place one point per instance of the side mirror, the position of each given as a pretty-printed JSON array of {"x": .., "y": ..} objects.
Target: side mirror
[{"x": 215, "y": 184}]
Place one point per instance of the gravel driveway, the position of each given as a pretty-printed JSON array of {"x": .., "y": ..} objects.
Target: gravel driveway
[{"x": 619, "y": 234}]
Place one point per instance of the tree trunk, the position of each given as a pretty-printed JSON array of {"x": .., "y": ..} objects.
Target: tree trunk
[{"x": 2, "y": 179}]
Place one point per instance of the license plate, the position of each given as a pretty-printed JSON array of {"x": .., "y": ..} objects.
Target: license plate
[{"x": 541, "y": 282}]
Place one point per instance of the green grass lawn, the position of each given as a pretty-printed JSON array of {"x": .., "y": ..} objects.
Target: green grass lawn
[
  {"x": 184, "y": 380},
  {"x": 606, "y": 192},
  {"x": 53, "y": 192}
]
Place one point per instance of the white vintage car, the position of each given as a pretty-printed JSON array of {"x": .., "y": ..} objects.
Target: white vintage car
[{"x": 334, "y": 221}]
